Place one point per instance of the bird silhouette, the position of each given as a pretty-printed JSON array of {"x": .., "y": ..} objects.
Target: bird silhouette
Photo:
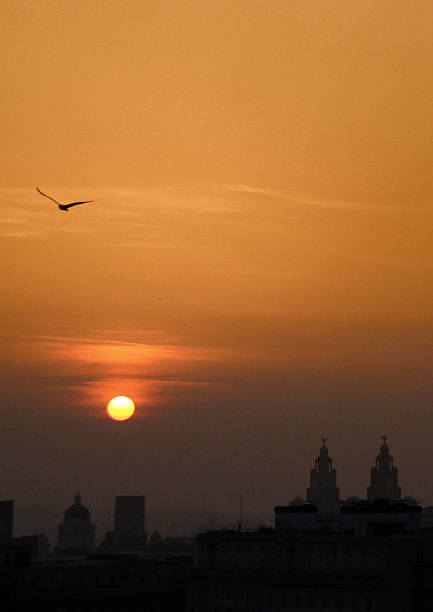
[{"x": 64, "y": 207}]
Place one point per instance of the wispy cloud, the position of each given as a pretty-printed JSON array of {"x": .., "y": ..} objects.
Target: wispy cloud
[
  {"x": 89, "y": 370},
  {"x": 302, "y": 199}
]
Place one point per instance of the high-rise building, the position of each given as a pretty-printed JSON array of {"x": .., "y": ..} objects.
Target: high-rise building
[
  {"x": 6, "y": 519},
  {"x": 323, "y": 490},
  {"x": 384, "y": 476},
  {"x": 129, "y": 522},
  {"x": 76, "y": 535}
]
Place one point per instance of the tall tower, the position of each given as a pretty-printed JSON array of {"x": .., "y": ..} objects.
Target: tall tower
[
  {"x": 323, "y": 490},
  {"x": 384, "y": 476},
  {"x": 129, "y": 520}
]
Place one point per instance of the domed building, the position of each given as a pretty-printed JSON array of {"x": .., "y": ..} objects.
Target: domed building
[
  {"x": 76, "y": 535},
  {"x": 297, "y": 501}
]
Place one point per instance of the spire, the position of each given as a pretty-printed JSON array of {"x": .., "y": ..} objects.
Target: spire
[
  {"x": 78, "y": 498},
  {"x": 384, "y": 476},
  {"x": 384, "y": 448},
  {"x": 323, "y": 489}
]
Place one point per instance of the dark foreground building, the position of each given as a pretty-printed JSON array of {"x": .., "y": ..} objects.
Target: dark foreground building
[
  {"x": 363, "y": 555},
  {"x": 270, "y": 571},
  {"x": 98, "y": 583}
]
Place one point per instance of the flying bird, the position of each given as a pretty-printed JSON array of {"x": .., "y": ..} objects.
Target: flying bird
[{"x": 64, "y": 207}]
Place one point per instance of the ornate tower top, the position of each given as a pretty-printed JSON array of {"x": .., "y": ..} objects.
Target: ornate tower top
[
  {"x": 323, "y": 489},
  {"x": 384, "y": 476},
  {"x": 323, "y": 462}
]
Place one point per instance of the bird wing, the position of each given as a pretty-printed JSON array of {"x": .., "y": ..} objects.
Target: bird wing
[
  {"x": 76, "y": 203},
  {"x": 47, "y": 196}
]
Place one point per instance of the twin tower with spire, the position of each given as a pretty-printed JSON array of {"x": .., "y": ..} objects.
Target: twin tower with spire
[{"x": 323, "y": 490}]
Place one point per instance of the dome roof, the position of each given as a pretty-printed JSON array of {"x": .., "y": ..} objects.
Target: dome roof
[
  {"x": 77, "y": 511},
  {"x": 297, "y": 501}
]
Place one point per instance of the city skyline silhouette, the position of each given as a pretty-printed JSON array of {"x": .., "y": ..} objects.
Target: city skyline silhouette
[
  {"x": 179, "y": 521},
  {"x": 253, "y": 272}
]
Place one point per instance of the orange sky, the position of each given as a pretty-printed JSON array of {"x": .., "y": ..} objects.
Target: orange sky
[{"x": 256, "y": 269}]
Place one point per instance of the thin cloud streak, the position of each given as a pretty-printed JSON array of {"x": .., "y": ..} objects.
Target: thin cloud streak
[
  {"x": 295, "y": 197},
  {"x": 150, "y": 216},
  {"x": 87, "y": 372}
]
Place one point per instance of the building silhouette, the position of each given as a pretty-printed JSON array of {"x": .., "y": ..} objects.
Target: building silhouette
[
  {"x": 371, "y": 555},
  {"x": 384, "y": 476},
  {"x": 129, "y": 533},
  {"x": 323, "y": 490},
  {"x": 76, "y": 535},
  {"x": 378, "y": 569},
  {"x": 6, "y": 519},
  {"x": 129, "y": 522},
  {"x": 374, "y": 554},
  {"x": 97, "y": 583}
]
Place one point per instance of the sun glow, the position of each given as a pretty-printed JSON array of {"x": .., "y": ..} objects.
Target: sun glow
[{"x": 120, "y": 408}]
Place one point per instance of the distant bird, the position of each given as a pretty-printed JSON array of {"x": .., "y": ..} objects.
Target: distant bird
[{"x": 64, "y": 207}]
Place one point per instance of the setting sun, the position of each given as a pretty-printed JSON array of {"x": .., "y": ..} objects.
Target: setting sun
[{"x": 120, "y": 408}]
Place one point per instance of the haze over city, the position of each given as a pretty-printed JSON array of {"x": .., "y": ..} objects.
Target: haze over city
[{"x": 255, "y": 270}]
